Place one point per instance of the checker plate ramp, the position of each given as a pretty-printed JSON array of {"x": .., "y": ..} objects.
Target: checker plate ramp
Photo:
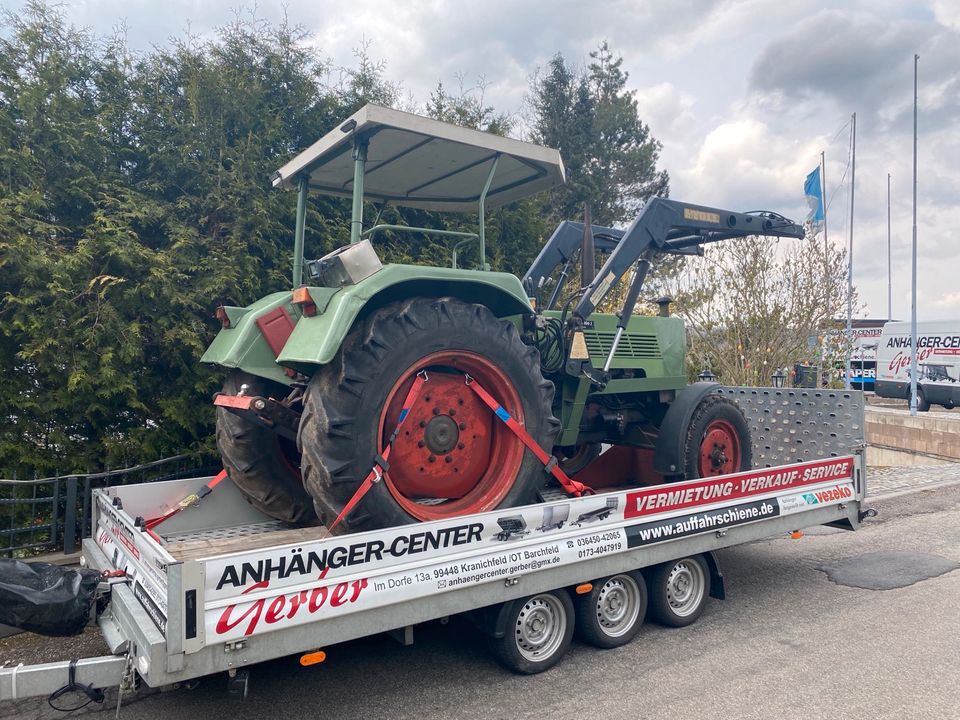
[{"x": 790, "y": 425}]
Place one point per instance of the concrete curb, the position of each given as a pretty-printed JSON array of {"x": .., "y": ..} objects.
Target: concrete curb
[{"x": 914, "y": 490}]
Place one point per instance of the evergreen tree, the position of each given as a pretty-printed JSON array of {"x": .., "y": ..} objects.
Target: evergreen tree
[{"x": 609, "y": 153}]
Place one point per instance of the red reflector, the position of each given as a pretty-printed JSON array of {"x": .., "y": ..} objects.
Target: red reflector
[{"x": 221, "y": 315}]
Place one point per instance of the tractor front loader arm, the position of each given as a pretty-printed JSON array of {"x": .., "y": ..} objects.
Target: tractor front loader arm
[{"x": 672, "y": 226}]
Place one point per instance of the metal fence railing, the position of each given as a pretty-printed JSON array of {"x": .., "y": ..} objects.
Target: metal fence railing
[{"x": 42, "y": 515}]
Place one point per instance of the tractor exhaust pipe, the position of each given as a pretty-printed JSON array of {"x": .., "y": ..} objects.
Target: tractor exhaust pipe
[{"x": 587, "y": 250}]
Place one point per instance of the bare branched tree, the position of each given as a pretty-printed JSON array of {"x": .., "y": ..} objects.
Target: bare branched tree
[{"x": 751, "y": 305}]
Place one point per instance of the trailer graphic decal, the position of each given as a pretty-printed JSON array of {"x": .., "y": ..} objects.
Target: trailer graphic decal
[
  {"x": 699, "y": 492},
  {"x": 339, "y": 556},
  {"x": 285, "y": 608},
  {"x": 695, "y": 523},
  {"x": 803, "y": 501},
  {"x": 153, "y": 610},
  {"x": 267, "y": 610}
]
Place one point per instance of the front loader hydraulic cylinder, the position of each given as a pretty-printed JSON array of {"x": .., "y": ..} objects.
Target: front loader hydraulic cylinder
[{"x": 643, "y": 267}]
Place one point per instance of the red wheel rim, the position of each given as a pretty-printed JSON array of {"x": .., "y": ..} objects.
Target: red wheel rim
[
  {"x": 719, "y": 450},
  {"x": 452, "y": 456}
]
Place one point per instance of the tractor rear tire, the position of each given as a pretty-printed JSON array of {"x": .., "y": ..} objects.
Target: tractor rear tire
[
  {"x": 452, "y": 456},
  {"x": 718, "y": 439},
  {"x": 262, "y": 465}
]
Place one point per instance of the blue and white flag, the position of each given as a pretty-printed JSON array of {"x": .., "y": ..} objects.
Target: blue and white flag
[{"x": 812, "y": 188}]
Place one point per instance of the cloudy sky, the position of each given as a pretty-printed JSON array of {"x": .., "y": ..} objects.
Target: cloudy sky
[{"x": 743, "y": 94}]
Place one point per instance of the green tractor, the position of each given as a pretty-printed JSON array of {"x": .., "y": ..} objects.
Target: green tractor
[{"x": 321, "y": 376}]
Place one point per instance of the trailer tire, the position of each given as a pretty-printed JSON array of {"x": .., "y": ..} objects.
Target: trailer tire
[
  {"x": 611, "y": 614},
  {"x": 717, "y": 440},
  {"x": 263, "y": 466},
  {"x": 539, "y": 631},
  {"x": 678, "y": 591},
  {"x": 923, "y": 405},
  {"x": 450, "y": 441}
]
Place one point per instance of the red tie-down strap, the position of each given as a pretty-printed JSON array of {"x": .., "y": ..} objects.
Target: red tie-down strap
[
  {"x": 191, "y": 499},
  {"x": 550, "y": 463},
  {"x": 380, "y": 464}
]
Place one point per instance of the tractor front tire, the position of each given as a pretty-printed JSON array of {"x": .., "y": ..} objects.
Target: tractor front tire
[
  {"x": 452, "y": 455},
  {"x": 718, "y": 439},
  {"x": 260, "y": 463}
]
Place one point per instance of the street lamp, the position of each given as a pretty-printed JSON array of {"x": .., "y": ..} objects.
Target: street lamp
[
  {"x": 779, "y": 377},
  {"x": 706, "y": 376}
]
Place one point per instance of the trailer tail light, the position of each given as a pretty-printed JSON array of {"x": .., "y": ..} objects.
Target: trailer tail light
[
  {"x": 584, "y": 588},
  {"x": 314, "y": 658},
  {"x": 301, "y": 297},
  {"x": 221, "y": 315}
]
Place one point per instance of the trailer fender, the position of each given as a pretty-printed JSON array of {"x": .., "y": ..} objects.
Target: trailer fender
[
  {"x": 668, "y": 454},
  {"x": 493, "y": 619},
  {"x": 717, "y": 590}
]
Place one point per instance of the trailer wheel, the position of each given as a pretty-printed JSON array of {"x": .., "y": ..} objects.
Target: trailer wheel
[
  {"x": 679, "y": 590},
  {"x": 263, "y": 466},
  {"x": 923, "y": 405},
  {"x": 612, "y": 613},
  {"x": 539, "y": 632},
  {"x": 718, "y": 439},
  {"x": 453, "y": 456}
]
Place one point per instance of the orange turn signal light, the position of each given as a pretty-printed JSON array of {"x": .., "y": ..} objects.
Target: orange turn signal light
[
  {"x": 314, "y": 658},
  {"x": 301, "y": 297},
  {"x": 796, "y": 534},
  {"x": 584, "y": 588}
]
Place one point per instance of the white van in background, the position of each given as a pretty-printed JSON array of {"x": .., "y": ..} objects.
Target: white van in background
[{"x": 938, "y": 363}]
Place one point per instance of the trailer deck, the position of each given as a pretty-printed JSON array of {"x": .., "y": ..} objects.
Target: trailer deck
[{"x": 220, "y": 587}]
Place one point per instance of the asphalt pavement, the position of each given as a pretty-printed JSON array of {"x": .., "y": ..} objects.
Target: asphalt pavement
[{"x": 788, "y": 642}]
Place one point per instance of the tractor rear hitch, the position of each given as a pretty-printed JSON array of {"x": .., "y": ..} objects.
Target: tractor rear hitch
[{"x": 264, "y": 411}]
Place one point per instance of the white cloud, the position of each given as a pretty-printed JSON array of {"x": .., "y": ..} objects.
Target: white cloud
[{"x": 743, "y": 94}]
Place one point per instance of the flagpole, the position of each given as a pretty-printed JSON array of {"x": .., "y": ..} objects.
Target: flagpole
[
  {"x": 826, "y": 257},
  {"x": 889, "y": 265},
  {"x": 853, "y": 176},
  {"x": 913, "y": 289}
]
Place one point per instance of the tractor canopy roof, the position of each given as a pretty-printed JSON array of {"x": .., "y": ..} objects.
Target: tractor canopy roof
[{"x": 415, "y": 161}]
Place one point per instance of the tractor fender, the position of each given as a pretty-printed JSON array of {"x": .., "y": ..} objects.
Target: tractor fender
[
  {"x": 668, "y": 453},
  {"x": 242, "y": 344},
  {"x": 316, "y": 339}
]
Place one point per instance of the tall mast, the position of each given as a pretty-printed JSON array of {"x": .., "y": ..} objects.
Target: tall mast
[
  {"x": 913, "y": 287},
  {"x": 853, "y": 183},
  {"x": 826, "y": 259},
  {"x": 889, "y": 256}
]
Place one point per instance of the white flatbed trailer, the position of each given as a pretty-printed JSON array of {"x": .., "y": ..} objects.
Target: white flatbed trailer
[{"x": 222, "y": 588}]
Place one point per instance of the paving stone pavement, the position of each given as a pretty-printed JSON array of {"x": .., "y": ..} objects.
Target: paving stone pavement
[{"x": 899, "y": 479}]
